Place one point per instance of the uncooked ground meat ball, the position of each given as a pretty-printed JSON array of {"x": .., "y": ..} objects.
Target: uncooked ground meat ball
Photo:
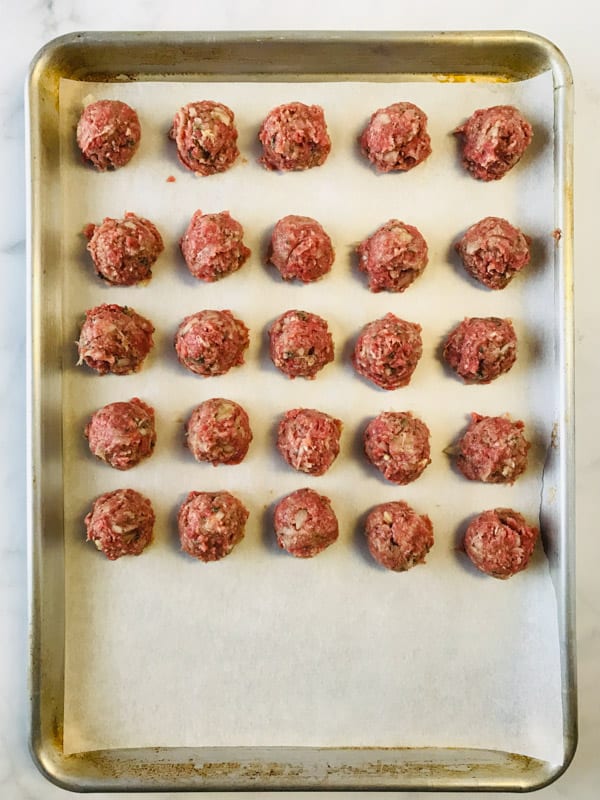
[
  {"x": 108, "y": 134},
  {"x": 309, "y": 440},
  {"x": 493, "y": 251},
  {"x": 123, "y": 433},
  {"x": 398, "y": 537},
  {"x": 205, "y": 136},
  {"x": 398, "y": 445},
  {"x": 493, "y": 450},
  {"x": 300, "y": 249},
  {"x": 305, "y": 523},
  {"x": 393, "y": 256},
  {"x": 211, "y": 524},
  {"x": 301, "y": 344},
  {"x": 387, "y": 351},
  {"x": 211, "y": 342},
  {"x": 493, "y": 141},
  {"x": 480, "y": 349},
  {"x": 120, "y": 523},
  {"x": 212, "y": 246},
  {"x": 294, "y": 136},
  {"x": 500, "y": 542},
  {"x": 124, "y": 250},
  {"x": 396, "y": 138},
  {"x": 218, "y": 431},
  {"x": 114, "y": 339}
]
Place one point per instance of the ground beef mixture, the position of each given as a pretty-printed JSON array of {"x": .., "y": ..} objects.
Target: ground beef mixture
[
  {"x": 387, "y": 351},
  {"x": 211, "y": 524},
  {"x": 480, "y": 349},
  {"x": 205, "y": 136},
  {"x": 218, "y": 431},
  {"x": 500, "y": 542},
  {"x": 493, "y": 141},
  {"x": 396, "y": 138},
  {"x": 124, "y": 250},
  {"x": 493, "y": 251},
  {"x": 121, "y": 523},
  {"x": 398, "y": 445},
  {"x": 305, "y": 523},
  {"x": 211, "y": 342},
  {"x": 114, "y": 339},
  {"x": 301, "y": 344},
  {"x": 108, "y": 134},
  {"x": 393, "y": 256},
  {"x": 212, "y": 246},
  {"x": 493, "y": 450},
  {"x": 294, "y": 136},
  {"x": 122, "y": 434},
  {"x": 300, "y": 249},
  {"x": 309, "y": 440},
  {"x": 398, "y": 538}
]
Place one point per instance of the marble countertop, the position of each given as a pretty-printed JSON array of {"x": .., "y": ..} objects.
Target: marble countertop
[{"x": 26, "y": 27}]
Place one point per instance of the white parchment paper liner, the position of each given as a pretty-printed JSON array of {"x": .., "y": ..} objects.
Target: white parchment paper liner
[{"x": 264, "y": 649}]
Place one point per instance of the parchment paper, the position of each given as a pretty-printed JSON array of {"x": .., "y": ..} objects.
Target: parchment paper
[{"x": 261, "y": 648}]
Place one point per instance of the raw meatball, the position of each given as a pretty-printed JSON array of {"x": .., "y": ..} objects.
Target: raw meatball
[
  {"x": 396, "y": 138},
  {"x": 211, "y": 524},
  {"x": 294, "y": 136},
  {"x": 388, "y": 351},
  {"x": 124, "y": 250},
  {"x": 309, "y": 440},
  {"x": 480, "y": 349},
  {"x": 393, "y": 256},
  {"x": 114, "y": 339},
  {"x": 108, "y": 134},
  {"x": 301, "y": 344},
  {"x": 121, "y": 523},
  {"x": 398, "y": 445},
  {"x": 305, "y": 523},
  {"x": 218, "y": 431},
  {"x": 212, "y": 246},
  {"x": 300, "y": 249},
  {"x": 122, "y": 434},
  {"x": 493, "y": 251},
  {"x": 493, "y": 141},
  {"x": 205, "y": 136},
  {"x": 493, "y": 450},
  {"x": 500, "y": 542},
  {"x": 398, "y": 538},
  {"x": 211, "y": 342}
]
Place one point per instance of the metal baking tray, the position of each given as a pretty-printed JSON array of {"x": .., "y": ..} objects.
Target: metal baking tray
[{"x": 398, "y": 56}]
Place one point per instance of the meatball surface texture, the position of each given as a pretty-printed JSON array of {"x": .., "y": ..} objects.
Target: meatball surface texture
[
  {"x": 108, "y": 134},
  {"x": 305, "y": 523},
  {"x": 211, "y": 524},
  {"x": 120, "y": 523},
  {"x": 122, "y": 434},
  {"x": 398, "y": 538},
  {"x": 396, "y": 138},
  {"x": 500, "y": 542}
]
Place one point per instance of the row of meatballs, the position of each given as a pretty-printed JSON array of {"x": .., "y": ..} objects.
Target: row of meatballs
[
  {"x": 125, "y": 250},
  {"x": 294, "y": 137},
  {"x": 397, "y": 443},
  {"x": 499, "y": 542},
  {"x": 116, "y": 339}
]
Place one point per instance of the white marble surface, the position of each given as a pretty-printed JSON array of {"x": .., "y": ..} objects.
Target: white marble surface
[{"x": 29, "y": 24}]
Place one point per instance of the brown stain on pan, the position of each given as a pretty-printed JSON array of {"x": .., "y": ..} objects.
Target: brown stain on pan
[
  {"x": 471, "y": 78},
  {"x": 254, "y": 771}
]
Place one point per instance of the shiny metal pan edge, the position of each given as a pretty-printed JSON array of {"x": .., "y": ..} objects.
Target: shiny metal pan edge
[{"x": 286, "y": 56}]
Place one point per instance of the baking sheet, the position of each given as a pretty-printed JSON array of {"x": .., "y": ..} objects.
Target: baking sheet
[{"x": 263, "y": 649}]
